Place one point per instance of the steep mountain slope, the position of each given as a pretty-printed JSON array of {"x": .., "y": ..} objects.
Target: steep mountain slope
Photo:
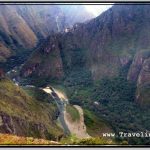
[
  {"x": 140, "y": 73},
  {"x": 5, "y": 52},
  {"x": 14, "y": 29},
  {"x": 103, "y": 46},
  {"x": 23, "y": 26},
  {"x": 42, "y": 19},
  {"x": 23, "y": 115}
]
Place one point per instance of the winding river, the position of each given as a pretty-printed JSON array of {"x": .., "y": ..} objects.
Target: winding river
[{"x": 78, "y": 128}]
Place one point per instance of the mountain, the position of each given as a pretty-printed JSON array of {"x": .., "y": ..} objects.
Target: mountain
[
  {"x": 102, "y": 47},
  {"x": 23, "y": 26},
  {"x": 101, "y": 65}
]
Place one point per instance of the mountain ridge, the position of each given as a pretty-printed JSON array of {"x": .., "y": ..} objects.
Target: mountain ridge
[
  {"x": 102, "y": 46},
  {"x": 23, "y": 26}
]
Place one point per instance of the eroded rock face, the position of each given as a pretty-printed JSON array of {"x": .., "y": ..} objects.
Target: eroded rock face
[
  {"x": 143, "y": 84},
  {"x": 139, "y": 73},
  {"x": 21, "y": 127},
  {"x": 18, "y": 126},
  {"x": 144, "y": 76},
  {"x": 137, "y": 65}
]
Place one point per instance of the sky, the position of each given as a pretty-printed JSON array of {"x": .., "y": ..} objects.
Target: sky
[{"x": 97, "y": 9}]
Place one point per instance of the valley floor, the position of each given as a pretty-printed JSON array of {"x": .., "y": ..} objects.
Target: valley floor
[{"x": 77, "y": 127}]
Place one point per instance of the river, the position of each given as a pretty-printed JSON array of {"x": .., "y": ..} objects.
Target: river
[{"x": 61, "y": 107}]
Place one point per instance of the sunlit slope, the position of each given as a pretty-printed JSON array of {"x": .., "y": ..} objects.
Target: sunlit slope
[{"x": 23, "y": 115}]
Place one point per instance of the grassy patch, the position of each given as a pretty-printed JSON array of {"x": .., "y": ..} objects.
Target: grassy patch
[
  {"x": 73, "y": 140},
  {"x": 94, "y": 141},
  {"x": 14, "y": 101},
  {"x": 75, "y": 116},
  {"x": 7, "y": 139}
]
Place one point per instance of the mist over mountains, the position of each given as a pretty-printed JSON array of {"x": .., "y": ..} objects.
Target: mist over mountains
[{"x": 23, "y": 26}]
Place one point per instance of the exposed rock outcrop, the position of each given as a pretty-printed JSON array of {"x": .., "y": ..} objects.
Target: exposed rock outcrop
[
  {"x": 137, "y": 64},
  {"x": 143, "y": 84},
  {"x": 144, "y": 75},
  {"x": 21, "y": 127},
  {"x": 139, "y": 73}
]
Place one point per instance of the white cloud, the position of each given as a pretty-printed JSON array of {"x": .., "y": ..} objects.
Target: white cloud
[{"x": 97, "y": 9}]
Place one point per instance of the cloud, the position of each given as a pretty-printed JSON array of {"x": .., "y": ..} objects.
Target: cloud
[{"x": 97, "y": 9}]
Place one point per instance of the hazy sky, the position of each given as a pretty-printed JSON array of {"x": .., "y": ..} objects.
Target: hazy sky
[{"x": 97, "y": 9}]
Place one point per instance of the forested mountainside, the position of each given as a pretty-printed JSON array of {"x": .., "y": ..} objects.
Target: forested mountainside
[
  {"x": 23, "y": 26},
  {"x": 104, "y": 65},
  {"x": 117, "y": 39}
]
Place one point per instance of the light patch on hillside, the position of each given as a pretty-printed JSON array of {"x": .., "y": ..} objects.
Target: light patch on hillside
[
  {"x": 61, "y": 94},
  {"x": 97, "y": 9}
]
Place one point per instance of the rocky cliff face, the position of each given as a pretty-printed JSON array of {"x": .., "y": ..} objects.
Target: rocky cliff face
[
  {"x": 21, "y": 127},
  {"x": 140, "y": 74},
  {"x": 106, "y": 44},
  {"x": 23, "y": 26}
]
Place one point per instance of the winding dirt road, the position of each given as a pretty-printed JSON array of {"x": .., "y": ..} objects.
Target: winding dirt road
[{"x": 78, "y": 127}]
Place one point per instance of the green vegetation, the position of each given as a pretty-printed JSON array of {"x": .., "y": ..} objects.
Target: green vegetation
[
  {"x": 116, "y": 98},
  {"x": 39, "y": 94},
  {"x": 94, "y": 141},
  {"x": 78, "y": 77},
  {"x": 17, "y": 59},
  {"x": 8, "y": 139},
  {"x": 95, "y": 124},
  {"x": 28, "y": 109},
  {"x": 114, "y": 89},
  {"x": 73, "y": 112},
  {"x": 69, "y": 139},
  {"x": 117, "y": 107},
  {"x": 73, "y": 140}
]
